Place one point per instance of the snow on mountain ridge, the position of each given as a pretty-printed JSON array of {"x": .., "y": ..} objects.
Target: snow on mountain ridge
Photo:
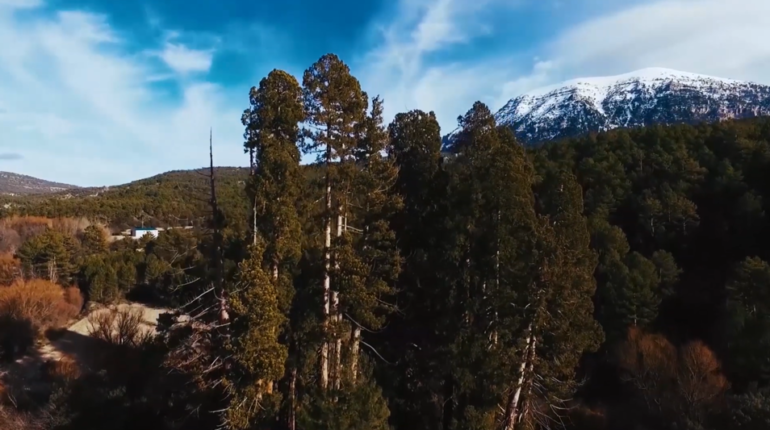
[
  {"x": 647, "y": 75},
  {"x": 643, "y": 97}
]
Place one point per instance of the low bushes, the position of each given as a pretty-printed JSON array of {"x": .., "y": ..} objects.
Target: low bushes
[{"x": 28, "y": 308}]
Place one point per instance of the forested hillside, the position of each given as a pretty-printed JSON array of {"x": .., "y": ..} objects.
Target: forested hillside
[
  {"x": 612, "y": 281},
  {"x": 170, "y": 199}
]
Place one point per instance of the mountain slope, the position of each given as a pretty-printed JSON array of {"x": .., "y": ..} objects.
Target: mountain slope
[
  {"x": 172, "y": 198},
  {"x": 15, "y": 184},
  {"x": 640, "y": 98}
]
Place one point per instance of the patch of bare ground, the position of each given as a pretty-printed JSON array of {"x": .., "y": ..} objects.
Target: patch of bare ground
[{"x": 76, "y": 348}]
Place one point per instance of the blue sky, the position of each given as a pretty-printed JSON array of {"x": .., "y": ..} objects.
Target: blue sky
[{"x": 105, "y": 92}]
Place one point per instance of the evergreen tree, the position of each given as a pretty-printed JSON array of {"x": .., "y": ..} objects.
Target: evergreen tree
[
  {"x": 335, "y": 107},
  {"x": 49, "y": 255},
  {"x": 272, "y": 132},
  {"x": 748, "y": 329},
  {"x": 492, "y": 253},
  {"x": 629, "y": 286},
  {"x": 101, "y": 280},
  {"x": 561, "y": 326},
  {"x": 668, "y": 271},
  {"x": 94, "y": 240},
  {"x": 368, "y": 273},
  {"x": 258, "y": 356},
  {"x": 417, "y": 335},
  {"x": 465, "y": 269}
]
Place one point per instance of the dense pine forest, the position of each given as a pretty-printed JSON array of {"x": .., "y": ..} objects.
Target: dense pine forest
[{"x": 618, "y": 280}]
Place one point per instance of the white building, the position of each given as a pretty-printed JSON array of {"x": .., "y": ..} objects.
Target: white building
[{"x": 139, "y": 232}]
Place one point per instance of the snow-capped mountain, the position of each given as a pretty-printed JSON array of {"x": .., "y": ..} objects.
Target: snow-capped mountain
[{"x": 640, "y": 98}]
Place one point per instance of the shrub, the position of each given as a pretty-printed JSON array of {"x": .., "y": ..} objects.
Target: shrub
[
  {"x": 682, "y": 383},
  {"x": 10, "y": 241},
  {"x": 74, "y": 298},
  {"x": 27, "y": 226},
  {"x": 70, "y": 226},
  {"x": 13, "y": 419},
  {"x": 119, "y": 327},
  {"x": 63, "y": 371},
  {"x": 10, "y": 268},
  {"x": 27, "y": 308}
]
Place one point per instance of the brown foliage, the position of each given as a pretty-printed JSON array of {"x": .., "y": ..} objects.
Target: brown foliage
[
  {"x": 27, "y": 308},
  {"x": 36, "y": 300},
  {"x": 679, "y": 382},
  {"x": 26, "y": 226},
  {"x": 699, "y": 379},
  {"x": 10, "y": 268},
  {"x": 74, "y": 298},
  {"x": 10, "y": 240},
  {"x": 16, "y": 230},
  {"x": 70, "y": 226},
  {"x": 63, "y": 370},
  {"x": 13, "y": 419}
]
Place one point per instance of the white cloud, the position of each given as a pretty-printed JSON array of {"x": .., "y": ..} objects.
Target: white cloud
[
  {"x": 78, "y": 107},
  {"x": 713, "y": 37},
  {"x": 398, "y": 67},
  {"x": 716, "y": 37},
  {"x": 185, "y": 60}
]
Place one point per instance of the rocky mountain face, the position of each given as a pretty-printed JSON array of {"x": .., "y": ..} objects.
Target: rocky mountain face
[
  {"x": 641, "y": 98},
  {"x": 15, "y": 184}
]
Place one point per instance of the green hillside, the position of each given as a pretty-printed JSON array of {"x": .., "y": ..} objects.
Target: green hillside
[{"x": 172, "y": 198}]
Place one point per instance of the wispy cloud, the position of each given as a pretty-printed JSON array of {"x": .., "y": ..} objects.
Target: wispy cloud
[
  {"x": 184, "y": 60},
  {"x": 402, "y": 70},
  {"x": 181, "y": 58},
  {"x": 83, "y": 102},
  {"x": 715, "y": 37},
  {"x": 703, "y": 36},
  {"x": 10, "y": 156},
  {"x": 77, "y": 96}
]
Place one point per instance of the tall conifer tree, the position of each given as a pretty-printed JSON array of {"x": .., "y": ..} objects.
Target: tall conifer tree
[
  {"x": 272, "y": 129},
  {"x": 560, "y": 321},
  {"x": 417, "y": 334},
  {"x": 336, "y": 109},
  {"x": 273, "y": 133},
  {"x": 494, "y": 232}
]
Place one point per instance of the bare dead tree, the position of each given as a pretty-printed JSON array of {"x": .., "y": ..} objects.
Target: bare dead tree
[
  {"x": 197, "y": 331},
  {"x": 217, "y": 219}
]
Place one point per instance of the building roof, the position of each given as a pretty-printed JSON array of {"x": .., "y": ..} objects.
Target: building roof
[{"x": 144, "y": 228}]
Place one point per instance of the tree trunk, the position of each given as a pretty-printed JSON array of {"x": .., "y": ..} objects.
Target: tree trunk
[
  {"x": 494, "y": 336},
  {"x": 337, "y": 317},
  {"x": 216, "y": 251},
  {"x": 448, "y": 403},
  {"x": 251, "y": 161},
  {"x": 292, "y": 422},
  {"x": 530, "y": 369},
  {"x": 355, "y": 339},
  {"x": 337, "y": 355},
  {"x": 52, "y": 276},
  {"x": 512, "y": 409},
  {"x": 254, "y": 221},
  {"x": 467, "y": 287},
  {"x": 327, "y": 268}
]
